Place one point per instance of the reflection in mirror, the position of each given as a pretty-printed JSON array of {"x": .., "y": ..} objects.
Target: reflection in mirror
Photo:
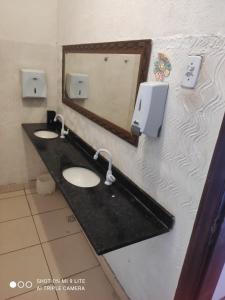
[
  {"x": 110, "y": 90},
  {"x": 101, "y": 80}
]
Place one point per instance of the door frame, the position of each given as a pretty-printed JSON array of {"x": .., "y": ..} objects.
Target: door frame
[
  {"x": 203, "y": 246},
  {"x": 215, "y": 266}
]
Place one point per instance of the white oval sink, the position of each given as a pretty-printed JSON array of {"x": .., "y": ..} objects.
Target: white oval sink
[
  {"x": 81, "y": 177},
  {"x": 46, "y": 134}
]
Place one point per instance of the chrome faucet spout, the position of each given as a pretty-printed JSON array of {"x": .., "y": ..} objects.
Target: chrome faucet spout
[
  {"x": 109, "y": 176},
  {"x": 63, "y": 131}
]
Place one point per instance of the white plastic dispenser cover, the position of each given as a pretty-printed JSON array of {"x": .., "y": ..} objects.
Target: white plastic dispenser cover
[
  {"x": 149, "y": 108},
  {"x": 33, "y": 83},
  {"x": 77, "y": 86}
]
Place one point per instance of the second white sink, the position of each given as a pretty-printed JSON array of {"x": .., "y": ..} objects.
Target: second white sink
[
  {"x": 46, "y": 134},
  {"x": 81, "y": 177}
]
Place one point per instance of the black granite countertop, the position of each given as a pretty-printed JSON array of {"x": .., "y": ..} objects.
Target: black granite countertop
[{"x": 111, "y": 216}]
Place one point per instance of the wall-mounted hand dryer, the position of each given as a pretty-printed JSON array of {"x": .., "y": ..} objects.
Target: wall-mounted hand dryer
[
  {"x": 33, "y": 83},
  {"x": 149, "y": 108},
  {"x": 77, "y": 86}
]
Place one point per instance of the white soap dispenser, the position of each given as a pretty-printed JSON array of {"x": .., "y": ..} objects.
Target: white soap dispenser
[
  {"x": 149, "y": 108},
  {"x": 33, "y": 83}
]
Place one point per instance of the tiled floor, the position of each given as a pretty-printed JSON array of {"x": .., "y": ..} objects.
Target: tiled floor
[{"x": 41, "y": 240}]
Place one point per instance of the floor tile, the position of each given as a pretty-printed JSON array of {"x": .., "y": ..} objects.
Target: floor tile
[
  {"x": 55, "y": 224},
  {"x": 96, "y": 285},
  {"x": 13, "y": 208},
  {"x": 112, "y": 278},
  {"x": 69, "y": 255},
  {"x": 40, "y": 203},
  {"x": 37, "y": 295},
  {"x": 17, "y": 234},
  {"x": 12, "y": 194},
  {"x": 23, "y": 265}
]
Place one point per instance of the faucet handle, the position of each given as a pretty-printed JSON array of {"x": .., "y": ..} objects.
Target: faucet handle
[
  {"x": 112, "y": 178},
  {"x": 95, "y": 157},
  {"x": 65, "y": 132},
  {"x": 109, "y": 178}
]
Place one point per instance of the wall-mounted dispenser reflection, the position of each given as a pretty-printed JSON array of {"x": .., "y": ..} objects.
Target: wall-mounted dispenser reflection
[
  {"x": 77, "y": 86},
  {"x": 149, "y": 108},
  {"x": 33, "y": 83}
]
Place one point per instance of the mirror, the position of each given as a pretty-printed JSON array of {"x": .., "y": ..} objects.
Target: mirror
[{"x": 101, "y": 82}]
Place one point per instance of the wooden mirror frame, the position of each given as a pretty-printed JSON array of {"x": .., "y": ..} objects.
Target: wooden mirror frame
[{"x": 142, "y": 47}]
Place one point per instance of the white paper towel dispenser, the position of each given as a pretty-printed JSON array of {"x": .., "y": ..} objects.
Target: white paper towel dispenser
[
  {"x": 77, "y": 86},
  {"x": 33, "y": 83},
  {"x": 149, "y": 108}
]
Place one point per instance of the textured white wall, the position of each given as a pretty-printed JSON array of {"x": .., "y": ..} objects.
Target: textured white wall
[
  {"x": 29, "y": 21},
  {"x": 28, "y": 31},
  {"x": 100, "y": 20},
  {"x": 173, "y": 168}
]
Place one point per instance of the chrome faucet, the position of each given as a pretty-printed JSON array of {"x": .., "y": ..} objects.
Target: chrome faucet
[
  {"x": 109, "y": 176},
  {"x": 63, "y": 131}
]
